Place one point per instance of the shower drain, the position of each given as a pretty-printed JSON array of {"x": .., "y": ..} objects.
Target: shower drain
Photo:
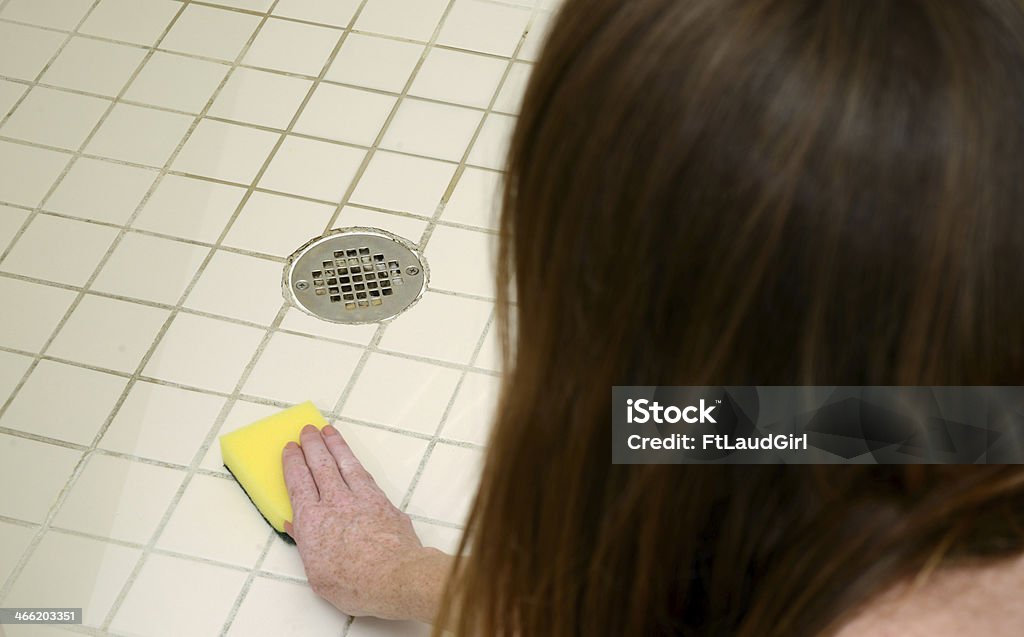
[{"x": 355, "y": 275}]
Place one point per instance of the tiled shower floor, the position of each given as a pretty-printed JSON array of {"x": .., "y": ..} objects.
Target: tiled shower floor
[{"x": 158, "y": 161}]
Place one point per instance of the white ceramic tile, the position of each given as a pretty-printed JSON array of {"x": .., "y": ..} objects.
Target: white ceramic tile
[
  {"x": 14, "y": 539},
  {"x": 311, "y": 168},
  {"x": 92, "y": 393},
  {"x": 24, "y": 50},
  {"x": 442, "y": 538},
  {"x": 136, "y": 21},
  {"x": 203, "y": 352},
  {"x": 423, "y": 182},
  {"x": 401, "y": 393},
  {"x": 189, "y": 208},
  {"x": 10, "y": 93},
  {"x": 57, "y": 14},
  {"x": 336, "y": 13},
  {"x": 239, "y": 286},
  {"x": 473, "y": 411},
  {"x": 119, "y": 498},
  {"x": 434, "y": 130},
  {"x": 251, "y": 5},
  {"x": 462, "y": 261},
  {"x": 42, "y": 468},
  {"x": 294, "y": 369},
  {"x": 74, "y": 572},
  {"x": 511, "y": 95},
  {"x": 101, "y": 190},
  {"x": 12, "y": 369},
  {"x": 283, "y": 559},
  {"x": 150, "y": 268},
  {"x": 242, "y": 413},
  {"x": 410, "y": 228},
  {"x": 373, "y": 627},
  {"x": 484, "y": 26},
  {"x": 94, "y": 66},
  {"x": 292, "y": 47},
  {"x": 225, "y": 151},
  {"x": 11, "y": 220},
  {"x": 476, "y": 200},
  {"x": 190, "y": 598},
  {"x": 29, "y": 331},
  {"x": 491, "y": 146},
  {"x": 210, "y": 32},
  {"x": 273, "y": 608},
  {"x": 39, "y": 630},
  {"x": 236, "y": 532},
  {"x": 345, "y": 114},
  {"x": 176, "y": 81},
  {"x": 461, "y": 78},
  {"x": 119, "y": 138},
  {"x": 259, "y": 97},
  {"x": 277, "y": 225},
  {"x": 535, "y": 39},
  {"x": 489, "y": 357},
  {"x": 298, "y": 321},
  {"x": 27, "y": 173},
  {"x": 439, "y": 326},
  {"x": 62, "y": 250},
  {"x": 108, "y": 333},
  {"x": 448, "y": 483},
  {"x": 391, "y": 458},
  {"x": 55, "y": 118},
  {"x": 373, "y": 62},
  {"x": 413, "y": 19},
  {"x": 162, "y": 423}
]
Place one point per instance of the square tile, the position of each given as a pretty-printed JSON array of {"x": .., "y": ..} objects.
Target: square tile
[
  {"x": 237, "y": 537},
  {"x": 431, "y": 129},
  {"x": 293, "y": 369},
  {"x": 225, "y": 151},
  {"x": 92, "y": 573},
  {"x": 150, "y": 268},
  {"x": 489, "y": 357},
  {"x": 490, "y": 149},
  {"x": 94, "y": 66},
  {"x": 345, "y": 114},
  {"x": 439, "y": 326},
  {"x": 92, "y": 393},
  {"x": 393, "y": 471},
  {"x": 442, "y": 538},
  {"x": 10, "y": 93},
  {"x": 487, "y": 27},
  {"x": 310, "y": 168},
  {"x": 410, "y": 228},
  {"x": 261, "y": 98},
  {"x": 11, "y": 220},
  {"x": 189, "y": 208},
  {"x": 292, "y": 47},
  {"x": 62, "y": 250},
  {"x": 41, "y": 468},
  {"x": 298, "y": 321},
  {"x": 12, "y": 369},
  {"x": 307, "y": 613},
  {"x": 418, "y": 406},
  {"x": 239, "y": 286},
  {"x": 27, "y": 173},
  {"x": 177, "y": 82},
  {"x": 14, "y": 539},
  {"x": 24, "y": 51},
  {"x": 476, "y": 200},
  {"x": 412, "y": 19},
  {"x": 473, "y": 411},
  {"x": 283, "y": 559},
  {"x": 277, "y": 225},
  {"x": 55, "y": 118},
  {"x": 242, "y": 413},
  {"x": 57, "y": 14},
  {"x": 448, "y": 483},
  {"x": 204, "y": 352},
  {"x": 462, "y": 261},
  {"x": 510, "y": 97},
  {"x": 101, "y": 190},
  {"x": 462, "y": 78},
  {"x": 373, "y": 627},
  {"x": 162, "y": 423},
  {"x": 118, "y": 498},
  {"x": 119, "y": 138},
  {"x": 251, "y": 5},
  {"x": 29, "y": 331},
  {"x": 108, "y": 333},
  {"x": 190, "y": 598},
  {"x": 365, "y": 60},
  {"x": 423, "y": 183},
  {"x": 537, "y": 36},
  {"x": 337, "y": 13},
  {"x": 209, "y": 32},
  {"x": 136, "y": 21}
]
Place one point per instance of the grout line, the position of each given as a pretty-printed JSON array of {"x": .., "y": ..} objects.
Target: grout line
[{"x": 244, "y": 591}]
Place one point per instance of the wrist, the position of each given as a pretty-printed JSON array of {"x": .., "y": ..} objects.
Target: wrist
[{"x": 418, "y": 582}]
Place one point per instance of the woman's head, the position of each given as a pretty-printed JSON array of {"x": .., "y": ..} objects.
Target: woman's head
[{"x": 711, "y": 192}]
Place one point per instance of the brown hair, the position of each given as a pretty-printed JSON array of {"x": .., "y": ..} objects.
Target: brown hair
[{"x": 728, "y": 192}]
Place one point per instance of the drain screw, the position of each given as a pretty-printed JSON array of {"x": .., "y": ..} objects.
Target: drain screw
[
  {"x": 412, "y": 270},
  {"x": 302, "y": 285}
]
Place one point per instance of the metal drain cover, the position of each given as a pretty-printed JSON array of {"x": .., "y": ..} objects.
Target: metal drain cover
[{"x": 355, "y": 275}]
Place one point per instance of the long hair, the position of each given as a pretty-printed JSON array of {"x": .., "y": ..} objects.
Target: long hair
[{"x": 734, "y": 192}]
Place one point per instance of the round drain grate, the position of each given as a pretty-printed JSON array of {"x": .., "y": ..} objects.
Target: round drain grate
[{"x": 355, "y": 275}]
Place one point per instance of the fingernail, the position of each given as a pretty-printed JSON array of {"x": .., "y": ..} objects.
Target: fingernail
[
  {"x": 291, "y": 445},
  {"x": 329, "y": 429},
  {"x": 309, "y": 429}
]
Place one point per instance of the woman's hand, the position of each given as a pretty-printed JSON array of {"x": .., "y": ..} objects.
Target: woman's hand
[{"x": 359, "y": 551}]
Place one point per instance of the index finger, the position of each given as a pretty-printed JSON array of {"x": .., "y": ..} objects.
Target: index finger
[{"x": 301, "y": 488}]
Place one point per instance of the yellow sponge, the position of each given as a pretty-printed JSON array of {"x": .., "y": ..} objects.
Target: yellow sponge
[{"x": 253, "y": 455}]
